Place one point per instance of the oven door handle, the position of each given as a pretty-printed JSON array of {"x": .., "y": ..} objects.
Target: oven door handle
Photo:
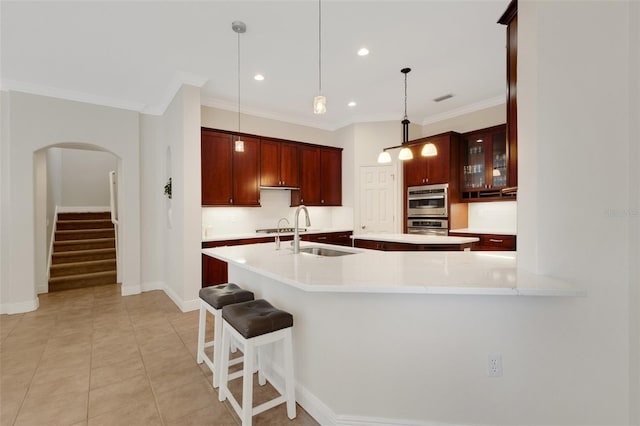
[{"x": 425, "y": 197}]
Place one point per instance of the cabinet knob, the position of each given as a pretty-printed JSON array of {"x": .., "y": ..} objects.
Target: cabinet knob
[
  {"x": 321, "y": 201},
  {"x": 230, "y": 200},
  {"x": 363, "y": 226}
]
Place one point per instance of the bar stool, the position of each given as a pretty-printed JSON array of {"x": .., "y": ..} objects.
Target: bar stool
[
  {"x": 252, "y": 325},
  {"x": 212, "y": 300}
]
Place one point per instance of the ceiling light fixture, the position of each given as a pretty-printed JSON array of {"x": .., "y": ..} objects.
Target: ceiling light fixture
[
  {"x": 319, "y": 102},
  {"x": 258, "y": 77},
  {"x": 428, "y": 150},
  {"x": 363, "y": 51},
  {"x": 240, "y": 28},
  {"x": 352, "y": 104}
]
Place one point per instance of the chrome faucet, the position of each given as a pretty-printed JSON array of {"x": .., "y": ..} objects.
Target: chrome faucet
[
  {"x": 278, "y": 232},
  {"x": 296, "y": 228}
]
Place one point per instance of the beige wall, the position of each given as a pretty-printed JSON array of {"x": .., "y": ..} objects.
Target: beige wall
[{"x": 467, "y": 122}]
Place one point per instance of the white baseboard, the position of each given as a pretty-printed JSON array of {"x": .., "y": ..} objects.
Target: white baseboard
[
  {"x": 129, "y": 290},
  {"x": 325, "y": 415},
  {"x": 183, "y": 305},
  {"x": 20, "y": 307},
  {"x": 153, "y": 285}
]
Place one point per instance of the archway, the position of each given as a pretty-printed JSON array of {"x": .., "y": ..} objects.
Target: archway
[{"x": 68, "y": 176}]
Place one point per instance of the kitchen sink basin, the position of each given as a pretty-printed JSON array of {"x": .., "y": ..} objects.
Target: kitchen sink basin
[{"x": 323, "y": 251}]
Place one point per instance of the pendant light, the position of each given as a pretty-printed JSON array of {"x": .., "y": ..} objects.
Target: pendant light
[
  {"x": 240, "y": 28},
  {"x": 319, "y": 102},
  {"x": 405, "y": 152}
]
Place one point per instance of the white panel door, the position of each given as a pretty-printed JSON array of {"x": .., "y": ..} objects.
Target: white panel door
[{"x": 377, "y": 199}]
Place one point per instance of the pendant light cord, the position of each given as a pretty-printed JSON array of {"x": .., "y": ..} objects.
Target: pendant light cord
[
  {"x": 238, "y": 84},
  {"x": 405, "y": 96},
  {"x": 320, "y": 46}
]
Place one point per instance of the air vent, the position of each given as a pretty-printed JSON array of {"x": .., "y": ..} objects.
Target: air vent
[{"x": 443, "y": 97}]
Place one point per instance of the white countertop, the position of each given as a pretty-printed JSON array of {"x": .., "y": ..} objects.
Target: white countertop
[
  {"x": 485, "y": 231},
  {"x": 416, "y": 238},
  {"x": 372, "y": 271},
  {"x": 239, "y": 236}
]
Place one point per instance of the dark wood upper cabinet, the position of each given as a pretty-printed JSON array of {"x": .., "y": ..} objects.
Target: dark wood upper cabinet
[
  {"x": 320, "y": 177},
  {"x": 279, "y": 164},
  {"x": 216, "y": 155},
  {"x": 331, "y": 177},
  {"x": 229, "y": 178},
  {"x": 246, "y": 173},
  {"x": 430, "y": 170},
  {"x": 309, "y": 193},
  {"x": 510, "y": 19}
]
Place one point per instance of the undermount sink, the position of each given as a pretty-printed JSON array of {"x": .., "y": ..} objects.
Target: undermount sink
[{"x": 323, "y": 251}]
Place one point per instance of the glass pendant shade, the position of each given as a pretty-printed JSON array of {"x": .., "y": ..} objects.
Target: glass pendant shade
[
  {"x": 405, "y": 154},
  {"x": 384, "y": 157},
  {"x": 239, "y": 146},
  {"x": 319, "y": 104},
  {"x": 429, "y": 150}
]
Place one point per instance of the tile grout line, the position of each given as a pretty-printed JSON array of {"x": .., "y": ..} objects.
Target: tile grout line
[
  {"x": 144, "y": 365},
  {"x": 24, "y": 397},
  {"x": 226, "y": 403}
]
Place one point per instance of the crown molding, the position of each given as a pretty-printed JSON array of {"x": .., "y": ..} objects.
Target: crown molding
[
  {"x": 466, "y": 109},
  {"x": 180, "y": 79},
  {"x": 257, "y": 112},
  {"x": 71, "y": 95}
]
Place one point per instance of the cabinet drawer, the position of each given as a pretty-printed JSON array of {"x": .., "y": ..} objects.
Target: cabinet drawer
[{"x": 497, "y": 242}]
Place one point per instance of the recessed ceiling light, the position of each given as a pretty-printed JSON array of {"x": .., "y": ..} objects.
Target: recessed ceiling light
[
  {"x": 363, "y": 51},
  {"x": 258, "y": 77},
  {"x": 352, "y": 104}
]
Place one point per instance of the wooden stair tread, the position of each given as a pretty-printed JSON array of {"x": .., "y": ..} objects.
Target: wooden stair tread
[
  {"x": 89, "y": 275},
  {"x": 86, "y": 252},
  {"x": 72, "y": 242},
  {"x": 84, "y": 263}
]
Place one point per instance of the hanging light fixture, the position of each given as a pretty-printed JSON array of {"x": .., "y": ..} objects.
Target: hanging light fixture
[
  {"x": 428, "y": 150},
  {"x": 319, "y": 102},
  {"x": 405, "y": 153},
  {"x": 240, "y": 28}
]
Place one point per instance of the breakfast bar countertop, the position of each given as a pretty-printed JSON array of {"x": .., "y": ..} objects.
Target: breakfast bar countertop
[{"x": 372, "y": 271}]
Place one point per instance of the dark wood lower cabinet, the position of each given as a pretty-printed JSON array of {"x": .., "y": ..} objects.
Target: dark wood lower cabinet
[
  {"x": 214, "y": 271},
  {"x": 394, "y": 246},
  {"x": 336, "y": 238},
  {"x": 490, "y": 242}
]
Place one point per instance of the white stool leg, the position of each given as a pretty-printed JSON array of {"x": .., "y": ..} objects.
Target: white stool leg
[
  {"x": 247, "y": 385},
  {"x": 224, "y": 367},
  {"x": 288, "y": 376},
  {"x": 201, "y": 329},
  {"x": 261, "y": 379},
  {"x": 217, "y": 347}
]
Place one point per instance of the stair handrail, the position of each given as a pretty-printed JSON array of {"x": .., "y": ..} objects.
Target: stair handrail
[{"x": 112, "y": 197}]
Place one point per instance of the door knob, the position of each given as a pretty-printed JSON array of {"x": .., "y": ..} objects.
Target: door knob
[{"x": 363, "y": 226}]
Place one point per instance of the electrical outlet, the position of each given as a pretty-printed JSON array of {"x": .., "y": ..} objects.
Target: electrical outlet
[{"x": 494, "y": 365}]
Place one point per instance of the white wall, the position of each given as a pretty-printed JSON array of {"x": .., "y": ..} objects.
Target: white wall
[
  {"x": 479, "y": 119},
  {"x": 59, "y": 122},
  {"x": 573, "y": 100},
  {"x": 182, "y": 258},
  {"x": 85, "y": 177}
]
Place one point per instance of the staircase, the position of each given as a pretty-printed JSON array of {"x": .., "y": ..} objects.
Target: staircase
[{"x": 84, "y": 253}]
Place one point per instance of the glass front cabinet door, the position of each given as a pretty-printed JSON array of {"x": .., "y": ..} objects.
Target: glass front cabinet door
[{"x": 484, "y": 159}]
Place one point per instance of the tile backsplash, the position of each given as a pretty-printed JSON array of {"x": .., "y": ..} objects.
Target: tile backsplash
[{"x": 275, "y": 205}]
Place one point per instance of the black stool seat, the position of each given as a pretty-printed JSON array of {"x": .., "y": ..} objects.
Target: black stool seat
[
  {"x": 256, "y": 317},
  {"x": 222, "y": 295}
]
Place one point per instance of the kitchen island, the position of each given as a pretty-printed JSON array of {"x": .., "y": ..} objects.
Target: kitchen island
[
  {"x": 413, "y": 242},
  {"x": 393, "y": 337}
]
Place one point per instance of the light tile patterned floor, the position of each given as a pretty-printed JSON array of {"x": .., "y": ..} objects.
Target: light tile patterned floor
[{"x": 93, "y": 357}]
